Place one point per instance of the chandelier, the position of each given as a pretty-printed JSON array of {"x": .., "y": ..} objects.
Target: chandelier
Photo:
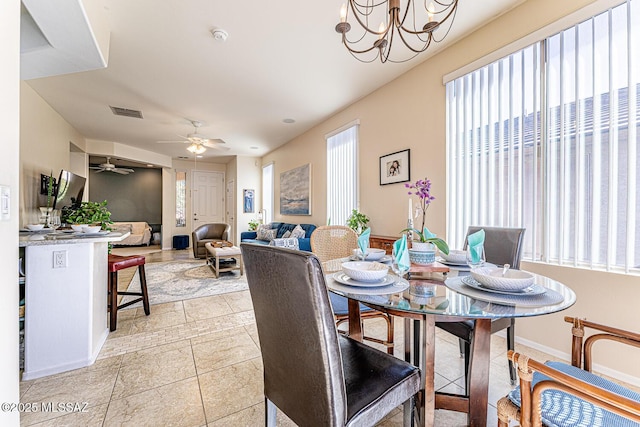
[
  {"x": 196, "y": 148},
  {"x": 412, "y": 25}
]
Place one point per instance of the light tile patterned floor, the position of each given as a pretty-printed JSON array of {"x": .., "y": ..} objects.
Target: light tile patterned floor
[{"x": 197, "y": 363}]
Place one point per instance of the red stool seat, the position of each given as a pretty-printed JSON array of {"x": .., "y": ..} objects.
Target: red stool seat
[{"x": 116, "y": 263}]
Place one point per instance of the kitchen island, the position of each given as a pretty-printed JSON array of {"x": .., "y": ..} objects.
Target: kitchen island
[{"x": 65, "y": 322}]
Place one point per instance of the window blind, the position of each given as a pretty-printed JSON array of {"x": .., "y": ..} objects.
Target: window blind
[{"x": 342, "y": 175}]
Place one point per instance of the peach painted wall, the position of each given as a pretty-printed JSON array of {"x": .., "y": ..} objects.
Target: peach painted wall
[{"x": 409, "y": 112}]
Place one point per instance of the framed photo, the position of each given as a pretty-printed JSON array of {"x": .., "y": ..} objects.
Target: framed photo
[
  {"x": 295, "y": 191},
  {"x": 395, "y": 167},
  {"x": 248, "y": 201}
]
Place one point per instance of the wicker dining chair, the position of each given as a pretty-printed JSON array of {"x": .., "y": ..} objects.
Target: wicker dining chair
[
  {"x": 338, "y": 241},
  {"x": 556, "y": 393}
]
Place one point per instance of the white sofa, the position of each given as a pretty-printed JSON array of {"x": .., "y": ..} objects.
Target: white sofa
[{"x": 140, "y": 233}]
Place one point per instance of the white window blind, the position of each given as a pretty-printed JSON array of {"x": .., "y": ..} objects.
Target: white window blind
[
  {"x": 267, "y": 193},
  {"x": 342, "y": 175},
  {"x": 546, "y": 139}
]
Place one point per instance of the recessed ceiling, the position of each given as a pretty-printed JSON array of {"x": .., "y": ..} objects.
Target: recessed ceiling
[{"x": 164, "y": 62}]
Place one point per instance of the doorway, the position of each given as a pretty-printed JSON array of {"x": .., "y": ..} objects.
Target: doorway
[{"x": 207, "y": 198}]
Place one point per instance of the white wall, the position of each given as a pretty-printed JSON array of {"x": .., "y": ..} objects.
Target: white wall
[
  {"x": 9, "y": 176},
  {"x": 249, "y": 176}
]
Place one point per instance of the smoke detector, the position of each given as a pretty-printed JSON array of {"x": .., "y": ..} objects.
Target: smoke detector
[{"x": 219, "y": 34}]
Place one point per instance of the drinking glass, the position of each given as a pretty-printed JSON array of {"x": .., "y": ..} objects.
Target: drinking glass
[
  {"x": 54, "y": 222},
  {"x": 396, "y": 268},
  {"x": 477, "y": 263}
]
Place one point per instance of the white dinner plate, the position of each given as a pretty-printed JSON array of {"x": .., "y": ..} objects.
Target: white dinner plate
[
  {"x": 385, "y": 259},
  {"x": 341, "y": 277},
  {"x": 531, "y": 290},
  {"x": 399, "y": 286},
  {"x": 452, "y": 264}
]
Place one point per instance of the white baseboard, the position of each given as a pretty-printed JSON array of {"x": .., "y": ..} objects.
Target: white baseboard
[{"x": 629, "y": 379}]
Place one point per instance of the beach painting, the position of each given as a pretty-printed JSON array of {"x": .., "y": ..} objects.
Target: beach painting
[{"x": 295, "y": 191}]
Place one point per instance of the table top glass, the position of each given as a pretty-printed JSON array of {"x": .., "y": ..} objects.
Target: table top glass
[{"x": 445, "y": 294}]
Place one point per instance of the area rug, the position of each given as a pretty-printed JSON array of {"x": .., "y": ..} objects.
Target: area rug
[{"x": 181, "y": 280}]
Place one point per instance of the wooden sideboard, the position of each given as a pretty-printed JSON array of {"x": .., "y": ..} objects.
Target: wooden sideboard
[{"x": 382, "y": 242}]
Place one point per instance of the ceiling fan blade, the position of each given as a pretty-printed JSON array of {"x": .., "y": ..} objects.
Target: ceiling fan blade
[
  {"x": 99, "y": 170},
  {"x": 127, "y": 170},
  {"x": 120, "y": 171},
  {"x": 95, "y": 167},
  {"x": 173, "y": 142}
]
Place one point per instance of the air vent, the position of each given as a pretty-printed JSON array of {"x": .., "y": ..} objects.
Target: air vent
[{"x": 119, "y": 111}]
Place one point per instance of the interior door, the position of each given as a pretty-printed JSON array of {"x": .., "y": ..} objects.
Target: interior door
[
  {"x": 231, "y": 210},
  {"x": 207, "y": 198}
]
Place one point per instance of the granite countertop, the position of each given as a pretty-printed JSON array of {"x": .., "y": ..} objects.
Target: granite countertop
[{"x": 48, "y": 237}]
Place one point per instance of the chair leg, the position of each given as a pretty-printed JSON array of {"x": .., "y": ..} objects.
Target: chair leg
[
  {"x": 113, "y": 300},
  {"x": 390, "y": 334},
  {"x": 270, "y": 412},
  {"x": 461, "y": 344},
  {"x": 143, "y": 288},
  {"x": 467, "y": 357},
  {"x": 510, "y": 346}
]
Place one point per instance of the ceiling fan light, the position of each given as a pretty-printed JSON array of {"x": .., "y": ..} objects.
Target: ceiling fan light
[{"x": 196, "y": 148}]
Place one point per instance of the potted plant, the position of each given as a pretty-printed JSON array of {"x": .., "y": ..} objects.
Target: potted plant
[
  {"x": 357, "y": 221},
  {"x": 253, "y": 225},
  {"x": 95, "y": 213},
  {"x": 426, "y": 240}
]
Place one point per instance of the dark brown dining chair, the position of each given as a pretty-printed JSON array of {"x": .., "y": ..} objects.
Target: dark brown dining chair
[
  {"x": 314, "y": 375},
  {"x": 501, "y": 246},
  {"x": 338, "y": 241}
]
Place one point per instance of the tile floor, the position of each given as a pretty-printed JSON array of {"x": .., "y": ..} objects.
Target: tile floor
[{"x": 197, "y": 363}]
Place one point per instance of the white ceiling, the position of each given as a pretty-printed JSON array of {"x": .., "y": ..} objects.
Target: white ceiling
[{"x": 282, "y": 60}]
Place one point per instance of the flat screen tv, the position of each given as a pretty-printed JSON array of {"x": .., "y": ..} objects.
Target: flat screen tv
[{"x": 70, "y": 190}]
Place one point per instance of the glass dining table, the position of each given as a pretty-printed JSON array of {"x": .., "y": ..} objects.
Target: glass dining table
[{"x": 443, "y": 294}]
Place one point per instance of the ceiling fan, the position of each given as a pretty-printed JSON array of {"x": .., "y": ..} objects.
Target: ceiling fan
[
  {"x": 110, "y": 167},
  {"x": 198, "y": 140}
]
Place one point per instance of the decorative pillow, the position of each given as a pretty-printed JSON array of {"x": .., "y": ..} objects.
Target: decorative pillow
[
  {"x": 286, "y": 234},
  {"x": 285, "y": 243},
  {"x": 298, "y": 232},
  {"x": 266, "y": 234}
]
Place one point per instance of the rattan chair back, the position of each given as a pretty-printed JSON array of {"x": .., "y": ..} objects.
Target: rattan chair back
[{"x": 333, "y": 241}]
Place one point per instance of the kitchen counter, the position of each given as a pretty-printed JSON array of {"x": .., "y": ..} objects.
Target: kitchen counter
[{"x": 65, "y": 300}]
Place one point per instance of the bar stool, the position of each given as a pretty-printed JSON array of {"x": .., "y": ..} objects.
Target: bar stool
[{"x": 116, "y": 263}]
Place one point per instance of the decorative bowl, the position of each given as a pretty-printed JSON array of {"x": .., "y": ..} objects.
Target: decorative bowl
[
  {"x": 363, "y": 271},
  {"x": 492, "y": 278},
  {"x": 35, "y": 227},
  {"x": 455, "y": 256},
  {"x": 372, "y": 254},
  {"x": 78, "y": 227},
  {"x": 422, "y": 258},
  {"x": 91, "y": 229}
]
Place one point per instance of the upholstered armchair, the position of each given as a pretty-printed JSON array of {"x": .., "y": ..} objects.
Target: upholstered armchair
[{"x": 206, "y": 233}]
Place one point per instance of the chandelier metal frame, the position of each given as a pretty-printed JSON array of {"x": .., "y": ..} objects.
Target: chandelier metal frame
[{"x": 405, "y": 22}]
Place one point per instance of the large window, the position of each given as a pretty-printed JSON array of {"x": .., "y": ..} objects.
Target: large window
[
  {"x": 546, "y": 139},
  {"x": 342, "y": 174}
]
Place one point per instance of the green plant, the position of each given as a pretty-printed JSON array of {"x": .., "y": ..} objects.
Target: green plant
[
  {"x": 89, "y": 213},
  {"x": 253, "y": 224},
  {"x": 422, "y": 236},
  {"x": 357, "y": 221},
  {"x": 50, "y": 191}
]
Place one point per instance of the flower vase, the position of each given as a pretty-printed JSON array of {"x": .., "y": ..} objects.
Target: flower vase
[
  {"x": 45, "y": 213},
  {"x": 422, "y": 253}
]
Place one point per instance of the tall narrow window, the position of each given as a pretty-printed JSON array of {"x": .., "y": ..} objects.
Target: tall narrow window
[
  {"x": 266, "y": 214},
  {"x": 547, "y": 139},
  {"x": 342, "y": 173},
  {"x": 181, "y": 199}
]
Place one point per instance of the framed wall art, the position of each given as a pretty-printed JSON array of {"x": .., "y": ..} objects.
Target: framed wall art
[
  {"x": 248, "y": 201},
  {"x": 295, "y": 191},
  {"x": 395, "y": 167}
]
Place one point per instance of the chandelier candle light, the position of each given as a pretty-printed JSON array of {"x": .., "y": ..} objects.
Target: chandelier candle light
[{"x": 380, "y": 21}]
